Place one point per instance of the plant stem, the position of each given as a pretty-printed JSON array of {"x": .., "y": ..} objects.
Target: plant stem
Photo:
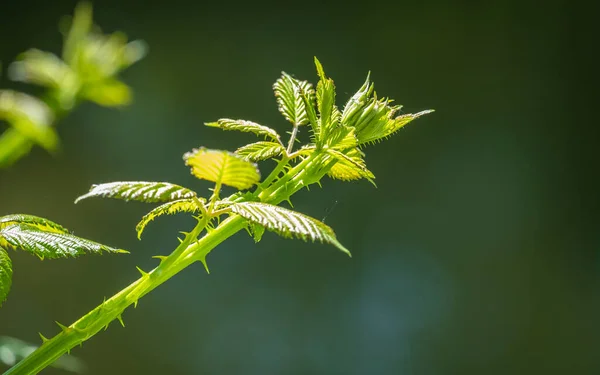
[
  {"x": 292, "y": 139},
  {"x": 187, "y": 253}
]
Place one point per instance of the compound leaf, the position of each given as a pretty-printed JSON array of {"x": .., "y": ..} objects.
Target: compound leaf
[
  {"x": 5, "y": 275},
  {"x": 222, "y": 167},
  {"x": 349, "y": 166},
  {"x": 50, "y": 244},
  {"x": 245, "y": 126},
  {"x": 288, "y": 92},
  {"x": 169, "y": 208},
  {"x": 260, "y": 151},
  {"x": 143, "y": 191},
  {"x": 287, "y": 223}
]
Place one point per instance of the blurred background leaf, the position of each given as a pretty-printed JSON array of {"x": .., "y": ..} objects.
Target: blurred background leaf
[{"x": 477, "y": 254}]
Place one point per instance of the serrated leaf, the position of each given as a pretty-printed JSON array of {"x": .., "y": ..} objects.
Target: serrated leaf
[
  {"x": 169, "y": 208},
  {"x": 349, "y": 166},
  {"x": 50, "y": 244},
  {"x": 328, "y": 113},
  {"x": 222, "y": 167},
  {"x": 260, "y": 151},
  {"x": 38, "y": 222},
  {"x": 287, "y": 223},
  {"x": 288, "y": 92},
  {"x": 257, "y": 232},
  {"x": 143, "y": 191},
  {"x": 394, "y": 125},
  {"x": 5, "y": 275},
  {"x": 245, "y": 126}
]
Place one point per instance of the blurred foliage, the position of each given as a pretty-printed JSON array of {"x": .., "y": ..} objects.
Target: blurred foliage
[
  {"x": 86, "y": 71},
  {"x": 12, "y": 350}
]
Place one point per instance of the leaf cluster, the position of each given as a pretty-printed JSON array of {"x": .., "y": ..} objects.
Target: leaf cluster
[{"x": 87, "y": 70}]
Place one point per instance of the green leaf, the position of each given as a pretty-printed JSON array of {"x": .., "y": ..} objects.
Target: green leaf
[
  {"x": 44, "y": 69},
  {"x": 169, "y": 208},
  {"x": 5, "y": 275},
  {"x": 257, "y": 231},
  {"x": 287, "y": 223},
  {"x": 350, "y": 166},
  {"x": 245, "y": 126},
  {"x": 50, "y": 244},
  {"x": 395, "y": 125},
  {"x": 142, "y": 191},
  {"x": 222, "y": 167},
  {"x": 38, "y": 222},
  {"x": 357, "y": 102},
  {"x": 288, "y": 92},
  {"x": 329, "y": 115},
  {"x": 260, "y": 151},
  {"x": 108, "y": 93},
  {"x": 30, "y": 117}
]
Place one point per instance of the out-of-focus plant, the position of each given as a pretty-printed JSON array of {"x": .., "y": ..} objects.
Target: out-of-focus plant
[
  {"x": 337, "y": 139},
  {"x": 13, "y": 350},
  {"x": 87, "y": 70}
]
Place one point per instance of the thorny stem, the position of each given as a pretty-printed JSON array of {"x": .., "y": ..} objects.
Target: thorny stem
[{"x": 188, "y": 252}]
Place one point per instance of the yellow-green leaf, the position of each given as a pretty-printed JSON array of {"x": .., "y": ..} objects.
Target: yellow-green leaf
[
  {"x": 287, "y": 223},
  {"x": 260, "y": 151},
  {"x": 245, "y": 126},
  {"x": 142, "y": 191},
  {"x": 169, "y": 208},
  {"x": 222, "y": 167}
]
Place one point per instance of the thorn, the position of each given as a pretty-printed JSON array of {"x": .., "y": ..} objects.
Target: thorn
[
  {"x": 319, "y": 183},
  {"x": 290, "y": 202},
  {"x": 68, "y": 351},
  {"x": 120, "y": 318},
  {"x": 62, "y": 327},
  {"x": 203, "y": 260},
  {"x": 135, "y": 304},
  {"x": 44, "y": 339},
  {"x": 106, "y": 327},
  {"x": 185, "y": 233},
  {"x": 180, "y": 240},
  {"x": 144, "y": 273},
  {"x": 160, "y": 257}
]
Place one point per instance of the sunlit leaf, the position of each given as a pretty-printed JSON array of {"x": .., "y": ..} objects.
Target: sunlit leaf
[
  {"x": 287, "y": 223},
  {"x": 288, "y": 92},
  {"x": 38, "y": 222},
  {"x": 5, "y": 275},
  {"x": 50, "y": 244},
  {"x": 328, "y": 113},
  {"x": 260, "y": 151},
  {"x": 143, "y": 191},
  {"x": 222, "y": 167},
  {"x": 349, "y": 166},
  {"x": 245, "y": 126},
  {"x": 169, "y": 208}
]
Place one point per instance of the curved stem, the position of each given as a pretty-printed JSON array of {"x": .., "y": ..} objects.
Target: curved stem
[{"x": 188, "y": 252}]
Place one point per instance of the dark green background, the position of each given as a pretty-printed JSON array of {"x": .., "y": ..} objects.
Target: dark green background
[{"x": 477, "y": 254}]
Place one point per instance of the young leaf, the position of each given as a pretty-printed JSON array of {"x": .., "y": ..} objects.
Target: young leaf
[
  {"x": 328, "y": 113},
  {"x": 50, "y": 244},
  {"x": 169, "y": 208},
  {"x": 260, "y": 151},
  {"x": 108, "y": 93},
  {"x": 392, "y": 126},
  {"x": 288, "y": 92},
  {"x": 350, "y": 166},
  {"x": 38, "y": 222},
  {"x": 5, "y": 275},
  {"x": 245, "y": 126},
  {"x": 222, "y": 167},
  {"x": 143, "y": 191},
  {"x": 287, "y": 223}
]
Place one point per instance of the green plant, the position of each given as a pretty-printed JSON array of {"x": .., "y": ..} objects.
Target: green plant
[
  {"x": 87, "y": 70},
  {"x": 335, "y": 149}
]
